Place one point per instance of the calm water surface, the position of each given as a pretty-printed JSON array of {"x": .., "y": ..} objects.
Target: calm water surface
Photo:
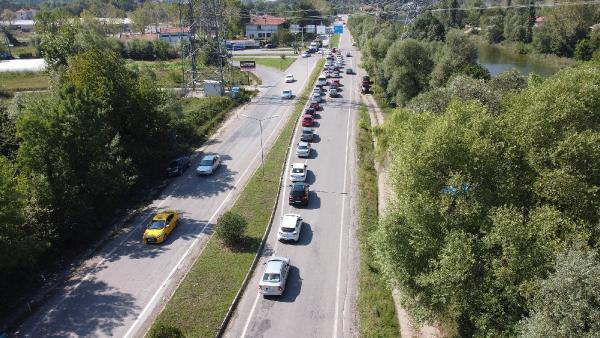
[{"x": 496, "y": 61}]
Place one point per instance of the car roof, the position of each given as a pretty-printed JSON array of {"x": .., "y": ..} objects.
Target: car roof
[
  {"x": 209, "y": 157},
  {"x": 306, "y": 116},
  {"x": 162, "y": 215},
  {"x": 273, "y": 266},
  {"x": 289, "y": 75},
  {"x": 298, "y": 165},
  {"x": 303, "y": 144},
  {"x": 307, "y": 129},
  {"x": 299, "y": 186},
  {"x": 289, "y": 220},
  {"x": 287, "y": 90}
]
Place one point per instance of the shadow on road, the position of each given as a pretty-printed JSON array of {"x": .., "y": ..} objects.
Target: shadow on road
[
  {"x": 95, "y": 309},
  {"x": 314, "y": 201},
  {"x": 306, "y": 235},
  {"x": 293, "y": 286}
]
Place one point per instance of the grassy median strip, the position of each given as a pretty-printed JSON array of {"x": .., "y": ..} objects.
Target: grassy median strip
[
  {"x": 200, "y": 303},
  {"x": 335, "y": 41},
  {"x": 20, "y": 81},
  {"x": 377, "y": 314}
]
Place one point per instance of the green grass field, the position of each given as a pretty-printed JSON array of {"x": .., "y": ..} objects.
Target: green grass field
[
  {"x": 199, "y": 305},
  {"x": 335, "y": 41},
  {"x": 275, "y": 62},
  {"x": 20, "y": 81},
  {"x": 376, "y": 310}
]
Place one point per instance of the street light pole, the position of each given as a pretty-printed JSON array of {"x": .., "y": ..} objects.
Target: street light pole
[{"x": 262, "y": 154}]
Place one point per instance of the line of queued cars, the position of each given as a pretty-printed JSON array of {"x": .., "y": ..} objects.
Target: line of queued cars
[{"x": 276, "y": 270}]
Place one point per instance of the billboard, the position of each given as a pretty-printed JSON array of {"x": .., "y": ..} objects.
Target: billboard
[
  {"x": 247, "y": 66},
  {"x": 311, "y": 29},
  {"x": 295, "y": 28},
  {"x": 321, "y": 29}
]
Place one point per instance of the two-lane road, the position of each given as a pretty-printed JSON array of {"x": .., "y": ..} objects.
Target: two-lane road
[
  {"x": 319, "y": 299},
  {"x": 118, "y": 291}
]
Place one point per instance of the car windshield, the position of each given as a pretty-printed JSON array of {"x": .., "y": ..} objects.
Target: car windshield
[
  {"x": 297, "y": 171},
  {"x": 307, "y": 132},
  {"x": 156, "y": 224},
  {"x": 271, "y": 277},
  {"x": 285, "y": 229},
  {"x": 302, "y": 147},
  {"x": 206, "y": 162}
]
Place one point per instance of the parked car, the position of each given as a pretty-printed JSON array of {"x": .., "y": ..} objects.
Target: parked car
[
  {"x": 334, "y": 86},
  {"x": 336, "y": 74},
  {"x": 308, "y": 121},
  {"x": 209, "y": 164},
  {"x": 348, "y": 54},
  {"x": 160, "y": 227},
  {"x": 303, "y": 149},
  {"x": 272, "y": 282},
  {"x": 349, "y": 71},
  {"x": 322, "y": 81},
  {"x": 315, "y": 105},
  {"x": 289, "y": 78},
  {"x": 307, "y": 134},
  {"x": 287, "y": 94},
  {"x": 299, "y": 194},
  {"x": 290, "y": 227},
  {"x": 178, "y": 166},
  {"x": 333, "y": 92},
  {"x": 336, "y": 82},
  {"x": 305, "y": 54}
]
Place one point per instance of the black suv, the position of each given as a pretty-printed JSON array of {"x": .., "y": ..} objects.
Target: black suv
[
  {"x": 307, "y": 134},
  {"x": 299, "y": 193},
  {"x": 178, "y": 166}
]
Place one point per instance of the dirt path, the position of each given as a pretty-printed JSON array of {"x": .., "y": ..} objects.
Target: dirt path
[{"x": 407, "y": 327}]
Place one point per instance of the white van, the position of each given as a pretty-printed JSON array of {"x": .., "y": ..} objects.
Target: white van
[{"x": 322, "y": 81}]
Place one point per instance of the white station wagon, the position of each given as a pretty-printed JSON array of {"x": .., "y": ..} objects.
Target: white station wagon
[
  {"x": 298, "y": 172},
  {"x": 272, "y": 282}
]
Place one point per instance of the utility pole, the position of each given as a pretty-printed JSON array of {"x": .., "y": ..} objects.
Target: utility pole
[
  {"x": 192, "y": 42},
  {"x": 218, "y": 13},
  {"x": 183, "y": 84}
]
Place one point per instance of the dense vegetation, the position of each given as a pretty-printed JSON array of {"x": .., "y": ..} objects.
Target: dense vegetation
[
  {"x": 72, "y": 157},
  {"x": 494, "y": 225}
]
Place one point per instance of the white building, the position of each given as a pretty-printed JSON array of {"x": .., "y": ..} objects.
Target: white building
[{"x": 263, "y": 27}]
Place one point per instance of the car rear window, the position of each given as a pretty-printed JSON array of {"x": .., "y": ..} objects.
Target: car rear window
[
  {"x": 285, "y": 229},
  {"x": 271, "y": 277}
]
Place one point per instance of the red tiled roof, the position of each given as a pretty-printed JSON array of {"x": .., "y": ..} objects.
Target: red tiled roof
[
  {"x": 266, "y": 20},
  {"x": 137, "y": 36}
]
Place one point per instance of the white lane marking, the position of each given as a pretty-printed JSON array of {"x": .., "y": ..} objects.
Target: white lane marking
[
  {"x": 159, "y": 290},
  {"x": 339, "y": 270},
  {"x": 284, "y": 182}
]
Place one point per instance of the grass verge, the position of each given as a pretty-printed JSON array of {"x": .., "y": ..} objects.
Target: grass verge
[
  {"x": 20, "y": 81},
  {"x": 376, "y": 310},
  {"x": 201, "y": 301},
  {"x": 277, "y": 63}
]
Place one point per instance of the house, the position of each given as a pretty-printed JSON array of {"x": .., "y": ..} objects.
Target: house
[
  {"x": 26, "y": 14},
  {"x": 262, "y": 27},
  {"x": 173, "y": 34}
]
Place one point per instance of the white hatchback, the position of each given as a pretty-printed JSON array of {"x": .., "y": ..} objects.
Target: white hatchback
[
  {"x": 290, "y": 228},
  {"x": 298, "y": 172},
  {"x": 289, "y": 78}
]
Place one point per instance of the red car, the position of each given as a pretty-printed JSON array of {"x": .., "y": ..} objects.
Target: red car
[
  {"x": 315, "y": 106},
  {"x": 307, "y": 121},
  {"x": 336, "y": 82}
]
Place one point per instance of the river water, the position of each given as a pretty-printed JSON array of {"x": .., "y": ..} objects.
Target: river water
[{"x": 496, "y": 61}]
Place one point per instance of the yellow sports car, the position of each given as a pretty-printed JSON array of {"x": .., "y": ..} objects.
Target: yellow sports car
[{"x": 161, "y": 226}]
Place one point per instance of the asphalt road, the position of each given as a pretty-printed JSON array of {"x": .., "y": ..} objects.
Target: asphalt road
[
  {"x": 320, "y": 295},
  {"x": 120, "y": 289}
]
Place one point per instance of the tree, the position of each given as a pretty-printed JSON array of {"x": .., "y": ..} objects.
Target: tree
[
  {"x": 427, "y": 27},
  {"x": 457, "y": 55},
  {"x": 567, "y": 302},
  {"x": 230, "y": 228},
  {"x": 141, "y": 18},
  {"x": 406, "y": 68},
  {"x": 8, "y": 16}
]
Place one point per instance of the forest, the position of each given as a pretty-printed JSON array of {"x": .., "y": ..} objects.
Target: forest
[{"x": 494, "y": 223}]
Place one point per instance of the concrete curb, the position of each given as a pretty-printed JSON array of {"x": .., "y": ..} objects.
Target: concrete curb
[{"x": 240, "y": 292}]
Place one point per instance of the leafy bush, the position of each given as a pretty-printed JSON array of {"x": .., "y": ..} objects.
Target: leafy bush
[
  {"x": 165, "y": 331},
  {"x": 230, "y": 228}
]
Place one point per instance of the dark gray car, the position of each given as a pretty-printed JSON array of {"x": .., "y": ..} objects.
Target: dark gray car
[
  {"x": 178, "y": 166},
  {"x": 307, "y": 134}
]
